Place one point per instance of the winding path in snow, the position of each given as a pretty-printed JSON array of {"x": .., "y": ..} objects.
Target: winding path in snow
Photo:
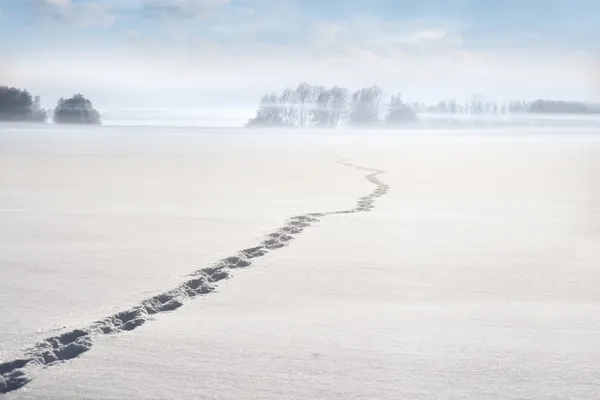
[{"x": 60, "y": 348}]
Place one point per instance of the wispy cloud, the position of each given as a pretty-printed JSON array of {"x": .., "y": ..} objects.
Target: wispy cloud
[
  {"x": 204, "y": 50},
  {"x": 80, "y": 13},
  {"x": 94, "y": 13},
  {"x": 181, "y": 9}
]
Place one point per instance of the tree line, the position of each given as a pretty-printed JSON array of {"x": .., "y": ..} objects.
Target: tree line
[
  {"x": 304, "y": 106},
  {"x": 479, "y": 106},
  {"x": 19, "y": 105},
  {"x": 317, "y": 106}
]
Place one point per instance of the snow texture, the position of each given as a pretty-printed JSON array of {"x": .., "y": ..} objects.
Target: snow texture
[
  {"x": 476, "y": 277},
  {"x": 57, "y": 349}
]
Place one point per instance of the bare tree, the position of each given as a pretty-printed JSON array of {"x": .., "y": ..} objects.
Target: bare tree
[
  {"x": 452, "y": 106},
  {"x": 289, "y": 102},
  {"x": 339, "y": 104},
  {"x": 305, "y": 93},
  {"x": 365, "y": 106},
  {"x": 399, "y": 112},
  {"x": 269, "y": 112},
  {"x": 476, "y": 106},
  {"x": 322, "y": 112}
]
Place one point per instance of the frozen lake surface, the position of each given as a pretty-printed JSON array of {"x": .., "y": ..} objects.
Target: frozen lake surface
[{"x": 474, "y": 275}]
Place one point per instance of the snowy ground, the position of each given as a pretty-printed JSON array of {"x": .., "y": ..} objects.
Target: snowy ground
[{"x": 475, "y": 276}]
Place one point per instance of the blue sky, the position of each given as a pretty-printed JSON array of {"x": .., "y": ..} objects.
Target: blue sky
[{"x": 427, "y": 48}]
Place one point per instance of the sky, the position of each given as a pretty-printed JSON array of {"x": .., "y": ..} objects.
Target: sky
[{"x": 130, "y": 53}]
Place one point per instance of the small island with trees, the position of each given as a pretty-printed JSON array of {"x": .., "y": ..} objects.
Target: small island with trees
[
  {"x": 18, "y": 105},
  {"x": 76, "y": 110}
]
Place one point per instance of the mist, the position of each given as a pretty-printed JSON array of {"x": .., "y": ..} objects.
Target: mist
[{"x": 281, "y": 200}]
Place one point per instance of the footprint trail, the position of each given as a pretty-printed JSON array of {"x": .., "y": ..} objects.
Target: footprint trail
[{"x": 57, "y": 349}]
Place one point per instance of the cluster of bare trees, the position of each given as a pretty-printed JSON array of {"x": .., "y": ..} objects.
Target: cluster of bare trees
[
  {"x": 477, "y": 105},
  {"x": 480, "y": 106},
  {"x": 318, "y": 106}
]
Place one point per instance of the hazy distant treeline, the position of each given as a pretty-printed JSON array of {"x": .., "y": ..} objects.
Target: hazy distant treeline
[
  {"x": 19, "y": 105},
  {"x": 304, "y": 106},
  {"x": 317, "y": 106},
  {"x": 479, "y": 106}
]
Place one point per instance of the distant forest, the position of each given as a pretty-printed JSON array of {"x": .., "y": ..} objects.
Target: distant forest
[
  {"x": 317, "y": 106},
  {"x": 20, "y": 106},
  {"x": 305, "y": 106}
]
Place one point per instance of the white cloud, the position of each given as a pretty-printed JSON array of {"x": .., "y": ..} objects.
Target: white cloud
[
  {"x": 181, "y": 9},
  {"x": 58, "y": 3},
  {"x": 81, "y": 14}
]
